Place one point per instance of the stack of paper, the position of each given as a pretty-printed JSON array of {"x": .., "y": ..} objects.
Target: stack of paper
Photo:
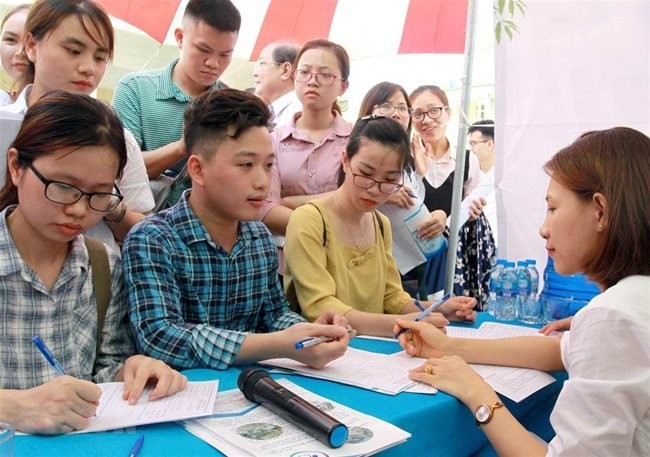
[
  {"x": 241, "y": 428},
  {"x": 197, "y": 400}
]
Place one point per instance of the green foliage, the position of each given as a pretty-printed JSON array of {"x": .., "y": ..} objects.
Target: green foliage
[{"x": 504, "y": 22}]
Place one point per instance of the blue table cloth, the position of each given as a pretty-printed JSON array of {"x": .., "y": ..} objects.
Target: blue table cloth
[{"x": 440, "y": 425}]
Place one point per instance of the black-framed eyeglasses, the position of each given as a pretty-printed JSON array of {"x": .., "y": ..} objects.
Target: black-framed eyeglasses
[
  {"x": 472, "y": 143},
  {"x": 433, "y": 113},
  {"x": 324, "y": 79},
  {"x": 365, "y": 182},
  {"x": 67, "y": 194},
  {"x": 387, "y": 109}
]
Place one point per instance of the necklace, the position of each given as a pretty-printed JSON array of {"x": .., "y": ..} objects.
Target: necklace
[{"x": 349, "y": 227}]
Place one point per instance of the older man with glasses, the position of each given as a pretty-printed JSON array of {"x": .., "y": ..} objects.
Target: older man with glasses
[{"x": 273, "y": 73}]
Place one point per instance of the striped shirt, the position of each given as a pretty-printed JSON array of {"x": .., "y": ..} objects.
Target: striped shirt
[
  {"x": 193, "y": 303},
  {"x": 151, "y": 107},
  {"x": 65, "y": 318}
]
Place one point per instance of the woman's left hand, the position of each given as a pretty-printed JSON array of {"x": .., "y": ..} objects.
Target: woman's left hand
[
  {"x": 139, "y": 370},
  {"x": 459, "y": 309},
  {"x": 434, "y": 226},
  {"x": 452, "y": 375}
]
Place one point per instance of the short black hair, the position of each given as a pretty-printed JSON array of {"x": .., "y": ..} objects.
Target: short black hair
[
  {"x": 485, "y": 127},
  {"x": 219, "y": 14},
  {"x": 220, "y": 114}
]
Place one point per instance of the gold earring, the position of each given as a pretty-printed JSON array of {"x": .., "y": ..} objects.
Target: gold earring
[{"x": 600, "y": 227}]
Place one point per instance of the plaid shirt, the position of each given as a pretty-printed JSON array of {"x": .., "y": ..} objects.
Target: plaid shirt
[
  {"x": 65, "y": 318},
  {"x": 193, "y": 303}
]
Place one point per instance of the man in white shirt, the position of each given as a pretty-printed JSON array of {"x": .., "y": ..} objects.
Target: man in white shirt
[
  {"x": 273, "y": 73},
  {"x": 481, "y": 143}
]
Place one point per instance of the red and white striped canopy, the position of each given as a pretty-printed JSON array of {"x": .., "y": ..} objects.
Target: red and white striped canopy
[{"x": 364, "y": 27}]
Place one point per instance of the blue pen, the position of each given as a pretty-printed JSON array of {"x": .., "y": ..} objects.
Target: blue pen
[
  {"x": 418, "y": 304},
  {"x": 435, "y": 305},
  {"x": 137, "y": 446},
  {"x": 313, "y": 341},
  {"x": 48, "y": 355},
  {"x": 411, "y": 194}
]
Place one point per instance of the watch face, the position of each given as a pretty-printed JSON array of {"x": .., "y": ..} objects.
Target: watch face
[{"x": 482, "y": 413}]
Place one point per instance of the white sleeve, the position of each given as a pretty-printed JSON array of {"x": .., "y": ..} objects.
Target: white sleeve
[
  {"x": 605, "y": 403},
  {"x": 134, "y": 183},
  {"x": 474, "y": 176}
]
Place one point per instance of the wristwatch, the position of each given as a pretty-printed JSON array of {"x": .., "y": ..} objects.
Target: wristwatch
[{"x": 483, "y": 413}]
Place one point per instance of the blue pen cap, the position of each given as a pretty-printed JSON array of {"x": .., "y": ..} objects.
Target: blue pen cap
[{"x": 338, "y": 436}]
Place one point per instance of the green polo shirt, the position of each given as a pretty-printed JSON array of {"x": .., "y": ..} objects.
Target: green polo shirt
[{"x": 151, "y": 107}]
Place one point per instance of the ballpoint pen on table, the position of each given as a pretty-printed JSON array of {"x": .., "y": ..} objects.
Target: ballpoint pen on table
[
  {"x": 314, "y": 340},
  {"x": 48, "y": 355},
  {"x": 435, "y": 305},
  {"x": 137, "y": 446}
]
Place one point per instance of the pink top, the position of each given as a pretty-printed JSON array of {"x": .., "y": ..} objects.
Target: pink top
[{"x": 303, "y": 167}]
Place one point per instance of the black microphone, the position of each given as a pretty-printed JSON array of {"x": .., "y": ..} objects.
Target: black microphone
[{"x": 257, "y": 386}]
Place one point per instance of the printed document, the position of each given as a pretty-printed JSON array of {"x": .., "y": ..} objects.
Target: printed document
[
  {"x": 196, "y": 400},
  {"x": 239, "y": 427},
  {"x": 368, "y": 370}
]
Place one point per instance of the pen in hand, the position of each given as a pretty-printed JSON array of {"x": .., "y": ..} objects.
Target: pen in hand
[
  {"x": 435, "y": 305},
  {"x": 418, "y": 304},
  {"x": 314, "y": 340},
  {"x": 48, "y": 355},
  {"x": 137, "y": 446}
]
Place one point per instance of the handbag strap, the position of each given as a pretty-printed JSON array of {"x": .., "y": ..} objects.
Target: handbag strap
[{"x": 101, "y": 272}]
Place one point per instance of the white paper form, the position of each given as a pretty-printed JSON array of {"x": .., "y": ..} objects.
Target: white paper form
[
  {"x": 462, "y": 332},
  {"x": 481, "y": 191},
  {"x": 368, "y": 370},
  {"x": 196, "y": 400},
  {"x": 499, "y": 330},
  {"x": 514, "y": 383},
  {"x": 242, "y": 428}
]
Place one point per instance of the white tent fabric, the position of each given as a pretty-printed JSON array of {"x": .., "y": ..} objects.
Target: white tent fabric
[{"x": 574, "y": 66}]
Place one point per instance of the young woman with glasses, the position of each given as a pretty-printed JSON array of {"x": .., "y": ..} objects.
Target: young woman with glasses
[
  {"x": 62, "y": 168},
  {"x": 338, "y": 247},
  {"x": 308, "y": 150},
  {"x": 435, "y": 155},
  {"x": 391, "y": 100}
]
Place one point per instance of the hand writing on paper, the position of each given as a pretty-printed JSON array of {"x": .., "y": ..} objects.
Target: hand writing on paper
[
  {"x": 423, "y": 340},
  {"x": 402, "y": 198},
  {"x": 140, "y": 370},
  {"x": 61, "y": 405},
  {"x": 321, "y": 354}
]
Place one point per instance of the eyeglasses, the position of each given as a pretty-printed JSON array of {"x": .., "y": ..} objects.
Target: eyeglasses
[
  {"x": 325, "y": 79},
  {"x": 259, "y": 63},
  {"x": 67, "y": 194},
  {"x": 433, "y": 113},
  {"x": 387, "y": 109},
  {"x": 366, "y": 183},
  {"x": 472, "y": 144}
]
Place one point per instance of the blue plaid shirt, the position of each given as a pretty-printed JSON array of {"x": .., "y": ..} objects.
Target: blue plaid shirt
[
  {"x": 65, "y": 317},
  {"x": 193, "y": 303}
]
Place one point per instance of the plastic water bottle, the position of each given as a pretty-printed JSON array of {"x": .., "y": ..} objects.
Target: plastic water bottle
[
  {"x": 494, "y": 284},
  {"x": 523, "y": 288},
  {"x": 534, "y": 278},
  {"x": 507, "y": 292}
]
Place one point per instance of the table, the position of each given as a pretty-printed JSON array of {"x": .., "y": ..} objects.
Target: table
[{"x": 440, "y": 424}]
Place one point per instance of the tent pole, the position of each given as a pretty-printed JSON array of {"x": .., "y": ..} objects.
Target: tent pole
[{"x": 460, "y": 156}]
